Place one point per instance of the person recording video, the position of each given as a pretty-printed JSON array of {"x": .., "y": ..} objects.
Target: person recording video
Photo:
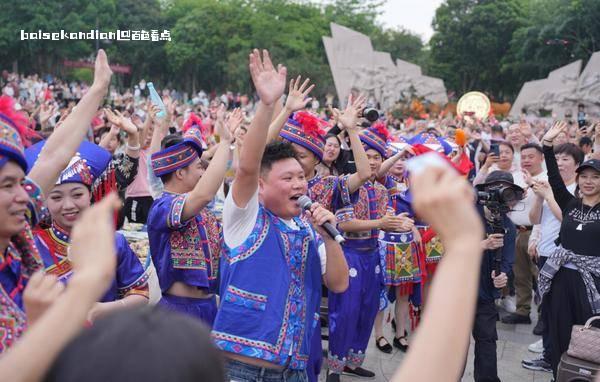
[{"x": 495, "y": 198}]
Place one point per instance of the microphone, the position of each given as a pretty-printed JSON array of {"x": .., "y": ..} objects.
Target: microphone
[{"x": 305, "y": 203}]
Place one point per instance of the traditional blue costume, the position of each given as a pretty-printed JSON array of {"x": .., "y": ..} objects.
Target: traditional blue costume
[
  {"x": 332, "y": 192},
  {"x": 352, "y": 313},
  {"x": 21, "y": 258},
  {"x": 88, "y": 167},
  {"x": 184, "y": 251}
]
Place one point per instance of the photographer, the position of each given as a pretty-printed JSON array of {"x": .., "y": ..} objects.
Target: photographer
[{"x": 496, "y": 197}]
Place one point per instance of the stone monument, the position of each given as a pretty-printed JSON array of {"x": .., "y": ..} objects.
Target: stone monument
[
  {"x": 357, "y": 67},
  {"x": 561, "y": 92}
]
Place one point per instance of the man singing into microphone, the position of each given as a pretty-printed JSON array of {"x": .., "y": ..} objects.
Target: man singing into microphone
[{"x": 273, "y": 260}]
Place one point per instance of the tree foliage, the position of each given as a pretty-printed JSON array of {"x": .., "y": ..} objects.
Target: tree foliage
[
  {"x": 210, "y": 42},
  {"x": 496, "y": 45}
]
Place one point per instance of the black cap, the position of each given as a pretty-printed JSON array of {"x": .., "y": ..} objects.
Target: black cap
[
  {"x": 499, "y": 177},
  {"x": 592, "y": 163}
]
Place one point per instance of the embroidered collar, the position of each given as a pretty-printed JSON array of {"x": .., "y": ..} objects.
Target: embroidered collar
[{"x": 59, "y": 234}]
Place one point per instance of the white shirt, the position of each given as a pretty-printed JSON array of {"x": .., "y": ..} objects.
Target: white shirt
[
  {"x": 520, "y": 213},
  {"x": 238, "y": 224},
  {"x": 550, "y": 226}
]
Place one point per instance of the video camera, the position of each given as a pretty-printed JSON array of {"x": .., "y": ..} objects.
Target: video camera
[{"x": 498, "y": 197}]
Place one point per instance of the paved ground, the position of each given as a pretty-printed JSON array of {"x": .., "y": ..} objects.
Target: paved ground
[{"x": 511, "y": 349}]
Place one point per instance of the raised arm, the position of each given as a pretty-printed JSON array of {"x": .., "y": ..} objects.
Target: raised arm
[
  {"x": 64, "y": 141},
  {"x": 349, "y": 120},
  {"x": 445, "y": 201},
  {"x": 560, "y": 191},
  {"x": 296, "y": 100},
  {"x": 210, "y": 182},
  {"x": 132, "y": 149},
  {"x": 270, "y": 84}
]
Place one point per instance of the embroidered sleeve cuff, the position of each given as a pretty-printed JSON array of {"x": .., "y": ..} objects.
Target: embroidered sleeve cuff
[
  {"x": 344, "y": 189},
  {"x": 176, "y": 211},
  {"x": 344, "y": 215},
  {"x": 36, "y": 202},
  {"x": 139, "y": 287}
]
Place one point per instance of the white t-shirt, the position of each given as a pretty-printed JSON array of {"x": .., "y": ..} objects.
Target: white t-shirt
[
  {"x": 520, "y": 215},
  {"x": 550, "y": 226},
  {"x": 238, "y": 224}
]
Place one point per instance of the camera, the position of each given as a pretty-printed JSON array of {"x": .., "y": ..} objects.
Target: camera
[
  {"x": 371, "y": 114},
  {"x": 499, "y": 197}
]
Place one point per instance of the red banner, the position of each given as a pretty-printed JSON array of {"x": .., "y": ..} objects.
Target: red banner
[{"x": 125, "y": 69}]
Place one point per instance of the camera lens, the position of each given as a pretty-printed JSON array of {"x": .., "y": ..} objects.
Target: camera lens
[
  {"x": 370, "y": 114},
  {"x": 508, "y": 195}
]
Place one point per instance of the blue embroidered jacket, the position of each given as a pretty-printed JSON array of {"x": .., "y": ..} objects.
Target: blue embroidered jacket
[
  {"x": 373, "y": 203},
  {"x": 130, "y": 277},
  {"x": 270, "y": 293},
  {"x": 185, "y": 251}
]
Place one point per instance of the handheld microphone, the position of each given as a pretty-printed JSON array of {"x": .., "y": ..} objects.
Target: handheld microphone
[{"x": 305, "y": 203}]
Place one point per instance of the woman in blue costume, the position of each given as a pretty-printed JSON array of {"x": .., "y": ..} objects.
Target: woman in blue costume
[{"x": 74, "y": 191}]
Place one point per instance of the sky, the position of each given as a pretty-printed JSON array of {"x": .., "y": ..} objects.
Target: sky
[{"x": 414, "y": 15}]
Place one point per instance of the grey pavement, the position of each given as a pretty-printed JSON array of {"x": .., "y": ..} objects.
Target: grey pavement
[{"x": 512, "y": 344}]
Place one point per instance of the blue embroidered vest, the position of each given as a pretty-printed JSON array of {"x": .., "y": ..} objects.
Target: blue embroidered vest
[{"x": 270, "y": 293}]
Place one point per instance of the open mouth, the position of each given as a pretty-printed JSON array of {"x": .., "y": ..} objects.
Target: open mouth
[{"x": 18, "y": 214}]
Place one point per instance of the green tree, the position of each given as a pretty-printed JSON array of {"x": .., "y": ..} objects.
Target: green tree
[
  {"x": 471, "y": 37},
  {"x": 400, "y": 43},
  {"x": 557, "y": 32}
]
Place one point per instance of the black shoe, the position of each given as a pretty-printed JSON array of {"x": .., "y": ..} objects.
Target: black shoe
[
  {"x": 332, "y": 377},
  {"x": 403, "y": 348},
  {"x": 539, "y": 328},
  {"x": 358, "y": 372},
  {"x": 514, "y": 318},
  {"x": 387, "y": 348},
  {"x": 538, "y": 364},
  {"x": 394, "y": 328}
]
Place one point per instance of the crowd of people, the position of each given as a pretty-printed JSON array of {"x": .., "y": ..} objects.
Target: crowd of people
[{"x": 442, "y": 217}]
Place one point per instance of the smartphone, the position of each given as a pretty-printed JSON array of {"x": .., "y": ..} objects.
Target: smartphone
[{"x": 495, "y": 149}]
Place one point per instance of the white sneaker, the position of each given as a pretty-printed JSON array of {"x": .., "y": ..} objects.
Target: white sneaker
[
  {"x": 536, "y": 347},
  {"x": 508, "y": 304}
]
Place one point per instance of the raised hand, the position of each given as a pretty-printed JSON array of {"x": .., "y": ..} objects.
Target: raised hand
[
  {"x": 557, "y": 128},
  {"x": 444, "y": 199},
  {"x": 297, "y": 96},
  {"x": 102, "y": 71},
  {"x": 268, "y": 81},
  {"x": 349, "y": 118},
  {"x": 122, "y": 122},
  {"x": 221, "y": 111},
  {"x": 235, "y": 120},
  {"x": 46, "y": 111},
  {"x": 490, "y": 160},
  {"x": 527, "y": 178}
]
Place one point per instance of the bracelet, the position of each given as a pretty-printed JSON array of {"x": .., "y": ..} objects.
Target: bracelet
[{"x": 134, "y": 148}]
